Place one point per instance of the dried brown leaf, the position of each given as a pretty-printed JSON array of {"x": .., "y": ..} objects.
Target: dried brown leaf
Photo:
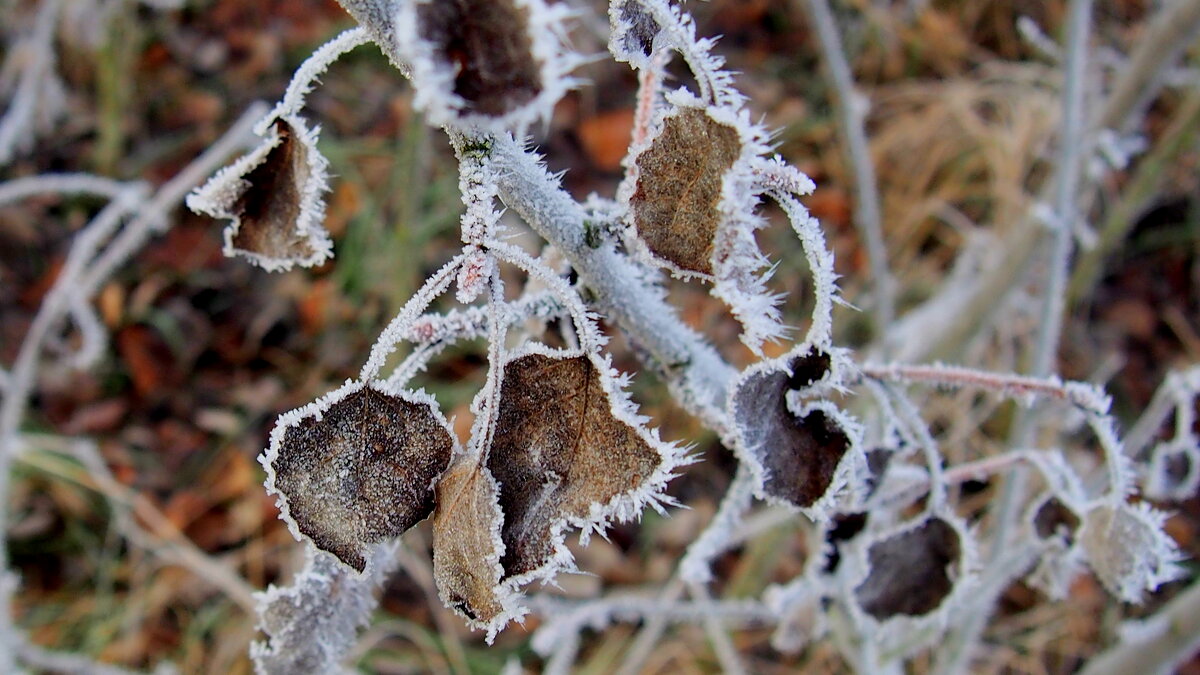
[
  {"x": 358, "y": 467},
  {"x": 466, "y": 543},
  {"x": 273, "y": 198},
  {"x": 560, "y": 455},
  {"x": 675, "y": 202},
  {"x": 799, "y": 454}
]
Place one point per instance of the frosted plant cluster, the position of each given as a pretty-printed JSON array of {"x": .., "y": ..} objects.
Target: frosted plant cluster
[{"x": 558, "y": 448}]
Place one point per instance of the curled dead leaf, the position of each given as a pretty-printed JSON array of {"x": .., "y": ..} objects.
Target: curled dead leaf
[
  {"x": 800, "y": 454},
  {"x": 487, "y": 43},
  {"x": 633, "y": 31},
  {"x": 273, "y": 198},
  {"x": 1054, "y": 518},
  {"x": 358, "y": 467}
]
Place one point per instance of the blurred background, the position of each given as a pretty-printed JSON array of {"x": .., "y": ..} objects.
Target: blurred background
[{"x": 205, "y": 351}]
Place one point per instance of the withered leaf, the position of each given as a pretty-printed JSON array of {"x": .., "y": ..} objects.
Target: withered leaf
[
  {"x": 360, "y": 470},
  {"x": 270, "y": 206},
  {"x": 799, "y": 454},
  {"x": 466, "y": 525},
  {"x": 488, "y": 43},
  {"x": 273, "y": 198},
  {"x": 558, "y": 449},
  {"x": 911, "y": 572},
  {"x": 675, "y": 202}
]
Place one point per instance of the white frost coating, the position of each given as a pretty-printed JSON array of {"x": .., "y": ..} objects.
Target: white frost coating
[
  {"x": 695, "y": 568},
  {"x": 433, "y": 333},
  {"x": 1127, "y": 548},
  {"x": 820, "y": 265},
  {"x": 802, "y": 619},
  {"x": 584, "y": 321},
  {"x": 903, "y": 634},
  {"x": 219, "y": 197},
  {"x": 313, "y": 623},
  {"x": 398, "y": 328},
  {"x": 317, "y": 410},
  {"x": 434, "y": 79},
  {"x": 565, "y": 618}
]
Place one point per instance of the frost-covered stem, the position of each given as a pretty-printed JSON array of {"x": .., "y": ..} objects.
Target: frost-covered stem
[
  {"x": 716, "y": 538},
  {"x": 652, "y": 629},
  {"x": 1080, "y": 394},
  {"x": 313, "y": 67},
  {"x": 695, "y": 371},
  {"x": 1170, "y": 32},
  {"x": 1045, "y": 349},
  {"x": 649, "y": 81},
  {"x": 1173, "y": 635},
  {"x": 1070, "y": 166},
  {"x": 852, "y": 107},
  {"x": 920, "y": 431},
  {"x": 16, "y": 123},
  {"x": 80, "y": 278},
  {"x": 395, "y": 331},
  {"x": 1175, "y": 386},
  {"x": 566, "y": 617},
  {"x": 563, "y": 657}
]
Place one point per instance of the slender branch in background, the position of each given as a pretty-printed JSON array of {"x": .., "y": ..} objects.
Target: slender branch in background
[
  {"x": 1069, "y": 168},
  {"x": 16, "y": 125},
  {"x": 1068, "y": 171},
  {"x": 853, "y": 108},
  {"x": 1166, "y": 37},
  {"x": 727, "y": 654},
  {"x": 1045, "y": 349},
  {"x": 60, "y": 183},
  {"x": 1084, "y": 395}
]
